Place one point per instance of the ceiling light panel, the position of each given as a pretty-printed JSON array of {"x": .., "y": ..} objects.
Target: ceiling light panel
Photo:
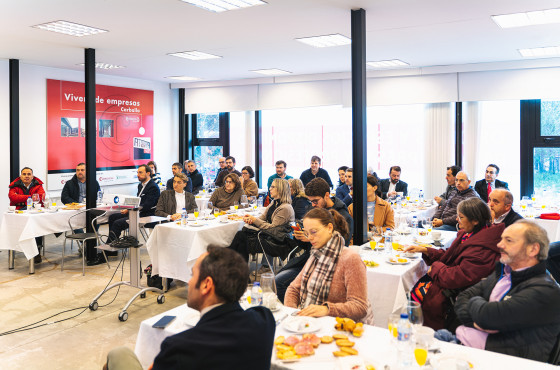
[
  {"x": 69, "y": 28},
  {"x": 219, "y": 6},
  {"x": 194, "y": 55},
  {"x": 271, "y": 72},
  {"x": 546, "y": 52},
  {"x": 387, "y": 63},
  {"x": 326, "y": 40},
  {"x": 184, "y": 78},
  {"x": 524, "y": 19}
]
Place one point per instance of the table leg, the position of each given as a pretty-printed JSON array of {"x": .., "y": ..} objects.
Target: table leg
[
  {"x": 11, "y": 258},
  {"x": 32, "y": 266}
]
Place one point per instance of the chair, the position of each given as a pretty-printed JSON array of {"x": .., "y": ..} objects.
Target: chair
[{"x": 81, "y": 238}]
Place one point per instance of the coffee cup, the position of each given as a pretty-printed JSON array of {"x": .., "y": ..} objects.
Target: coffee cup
[
  {"x": 436, "y": 235},
  {"x": 11, "y": 208}
]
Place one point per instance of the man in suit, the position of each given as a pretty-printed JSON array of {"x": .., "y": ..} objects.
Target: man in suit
[
  {"x": 226, "y": 336},
  {"x": 393, "y": 185},
  {"x": 501, "y": 201},
  {"x": 490, "y": 182},
  {"x": 148, "y": 191},
  {"x": 74, "y": 190},
  {"x": 175, "y": 169},
  {"x": 344, "y": 192}
]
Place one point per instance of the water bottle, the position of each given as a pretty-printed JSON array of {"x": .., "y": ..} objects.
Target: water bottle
[
  {"x": 399, "y": 201},
  {"x": 184, "y": 217},
  {"x": 414, "y": 225},
  {"x": 256, "y": 294},
  {"x": 404, "y": 347},
  {"x": 260, "y": 202},
  {"x": 388, "y": 240},
  {"x": 29, "y": 202},
  {"x": 421, "y": 196}
]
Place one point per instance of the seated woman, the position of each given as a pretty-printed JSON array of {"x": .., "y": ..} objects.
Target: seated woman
[
  {"x": 250, "y": 187},
  {"x": 300, "y": 203},
  {"x": 333, "y": 281},
  {"x": 171, "y": 202},
  {"x": 382, "y": 212},
  {"x": 229, "y": 194},
  {"x": 278, "y": 214},
  {"x": 471, "y": 257}
]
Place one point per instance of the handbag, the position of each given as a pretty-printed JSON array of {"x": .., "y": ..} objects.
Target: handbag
[{"x": 420, "y": 289}]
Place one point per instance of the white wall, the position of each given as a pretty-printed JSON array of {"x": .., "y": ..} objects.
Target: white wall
[
  {"x": 33, "y": 118},
  {"x": 5, "y": 137}
]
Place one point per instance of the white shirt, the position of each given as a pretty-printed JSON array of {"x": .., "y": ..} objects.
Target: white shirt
[
  {"x": 500, "y": 219},
  {"x": 180, "y": 199},
  {"x": 143, "y": 187},
  {"x": 392, "y": 187}
]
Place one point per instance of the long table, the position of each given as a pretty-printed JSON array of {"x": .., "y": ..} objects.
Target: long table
[{"x": 375, "y": 346}]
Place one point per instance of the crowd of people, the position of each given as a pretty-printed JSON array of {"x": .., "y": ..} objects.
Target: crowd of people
[{"x": 490, "y": 289}]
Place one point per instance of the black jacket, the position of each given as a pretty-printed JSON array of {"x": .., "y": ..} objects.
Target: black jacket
[
  {"x": 307, "y": 176},
  {"x": 526, "y": 317},
  {"x": 71, "y": 191},
  {"x": 511, "y": 218},
  {"x": 197, "y": 181},
  {"x": 226, "y": 337},
  {"x": 149, "y": 198},
  {"x": 300, "y": 205},
  {"x": 384, "y": 187},
  {"x": 188, "y": 188},
  {"x": 341, "y": 208},
  {"x": 481, "y": 188}
]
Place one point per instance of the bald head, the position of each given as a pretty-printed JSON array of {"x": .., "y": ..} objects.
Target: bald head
[
  {"x": 500, "y": 201},
  {"x": 462, "y": 181}
]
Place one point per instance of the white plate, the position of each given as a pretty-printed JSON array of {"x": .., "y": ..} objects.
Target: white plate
[
  {"x": 191, "y": 318},
  {"x": 397, "y": 263},
  {"x": 35, "y": 211},
  {"x": 196, "y": 224},
  {"x": 302, "y": 324}
]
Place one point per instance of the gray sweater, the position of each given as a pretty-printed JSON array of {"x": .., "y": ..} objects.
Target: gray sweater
[
  {"x": 223, "y": 200},
  {"x": 448, "y": 212}
]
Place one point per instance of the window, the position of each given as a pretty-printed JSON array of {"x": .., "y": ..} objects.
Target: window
[
  {"x": 206, "y": 158},
  {"x": 208, "y": 126},
  {"x": 550, "y": 118},
  {"x": 242, "y": 133},
  {"x": 210, "y": 141}
]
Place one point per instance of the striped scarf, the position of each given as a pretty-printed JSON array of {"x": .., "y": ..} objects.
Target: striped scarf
[{"x": 318, "y": 274}]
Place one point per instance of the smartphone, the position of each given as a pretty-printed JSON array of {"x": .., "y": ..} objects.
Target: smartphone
[
  {"x": 296, "y": 227},
  {"x": 163, "y": 322}
]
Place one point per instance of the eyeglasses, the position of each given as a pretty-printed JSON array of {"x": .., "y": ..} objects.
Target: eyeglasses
[
  {"x": 221, "y": 162},
  {"x": 311, "y": 232},
  {"x": 228, "y": 182}
]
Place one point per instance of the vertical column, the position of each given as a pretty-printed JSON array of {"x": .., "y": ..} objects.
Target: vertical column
[
  {"x": 258, "y": 148},
  {"x": 91, "y": 133},
  {"x": 359, "y": 124},
  {"x": 14, "y": 118},
  {"x": 459, "y": 134},
  {"x": 183, "y": 156}
]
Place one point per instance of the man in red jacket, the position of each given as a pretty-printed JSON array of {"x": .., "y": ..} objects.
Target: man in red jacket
[{"x": 22, "y": 189}]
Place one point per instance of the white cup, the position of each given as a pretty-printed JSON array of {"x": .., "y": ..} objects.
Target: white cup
[
  {"x": 231, "y": 208},
  {"x": 436, "y": 235},
  {"x": 191, "y": 217},
  {"x": 11, "y": 208},
  {"x": 223, "y": 218}
]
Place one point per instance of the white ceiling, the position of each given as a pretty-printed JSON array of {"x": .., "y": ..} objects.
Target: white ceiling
[{"x": 141, "y": 32}]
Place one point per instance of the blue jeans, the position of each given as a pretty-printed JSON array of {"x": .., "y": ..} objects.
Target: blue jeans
[
  {"x": 284, "y": 279},
  {"x": 446, "y": 228}
]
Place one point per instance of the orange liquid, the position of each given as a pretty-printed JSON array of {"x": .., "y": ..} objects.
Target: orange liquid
[{"x": 421, "y": 355}]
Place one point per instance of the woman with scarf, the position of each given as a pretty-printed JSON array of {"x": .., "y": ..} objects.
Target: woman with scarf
[
  {"x": 333, "y": 281},
  {"x": 471, "y": 257}
]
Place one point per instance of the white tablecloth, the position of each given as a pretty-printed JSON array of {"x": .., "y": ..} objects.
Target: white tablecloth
[
  {"x": 552, "y": 228},
  {"x": 18, "y": 231},
  {"x": 375, "y": 345},
  {"x": 174, "y": 249},
  {"x": 405, "y": 215},
  {"x": 201, "y": 202}
]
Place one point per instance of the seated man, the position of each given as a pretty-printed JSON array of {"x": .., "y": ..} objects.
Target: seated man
[
  {"x": 344, "y": 192},
  {"x": 515, "y": 310},
  {"x": 452, "y": 171},
  {"x": 280, "y": 173},
  {"x": 501, "y": 201},
  {"x": 230, "y": 168},
  {"x": 148, "y": 191},
  {"x": 195, "y": 178},
  {"x": 315, "y": 171},
  {"x": 226, "y": 336},
  {"x": 74, "y": 190},
  {"x": 490, "y": 182},
  {"x": 175, "y": 169},
  {"x": 445, "y": 217},
  {"x": 222, "y": 164},
  {"x": 342, "y": 175},
  {"x": 393, "y": 185}
]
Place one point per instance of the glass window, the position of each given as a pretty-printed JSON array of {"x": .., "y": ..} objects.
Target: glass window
[
  {"x": 208, "y": 126},
  {"x": 550, "y": 118},
  {"x": 206, "y": 161},
  {"x": 546, "y": 167},
  {"x": 241, "y": 138}
]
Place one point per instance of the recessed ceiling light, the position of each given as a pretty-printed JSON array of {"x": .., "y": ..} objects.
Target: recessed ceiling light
[
  {"x": 551, "y": 51},
  {"x": 100, "y": 65},
  {"x": 271, "y": 72},
  {"x": 387, "y": 63},
  {"x": 326, "y": 40},
  {"x": 527, "y": 18},
  {"x": 184, "y": 78},
  {"x": 224, "y": 5},
  {"x": 69, "y": 28},
  {"x": 194, "y": 55}
]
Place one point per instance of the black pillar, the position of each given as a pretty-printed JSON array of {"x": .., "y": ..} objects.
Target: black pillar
[
  {"x": 258, "y": 148},
  {"x": 91, "y": 133},
  {"x": 14, "y": 118},
  {"x": 459, "y": 134},
  {"x": 359, "y": 125},
  {"x": 183, "y": 131}
]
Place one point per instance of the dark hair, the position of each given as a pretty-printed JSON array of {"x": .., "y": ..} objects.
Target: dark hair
[
  {"x": 396, "y": 168},
  {"x": 350, "y": 170},
  {"x": 343, "y": 168},
  {"x": 374, "y": 181},
  {"x": 495, "y": 166},
  {"x": 230, "y": 157},
  {"x": 228, "y": 270},
  {"x": 250, "y": 170},
  {"x": 316, "y": 159},
  {"x": 329, "y": 216},
  {"x": 153, "y": 164},
  {"x": 26, "y": 168},
  {"x": 177, "y": 164},
  {"x": 147, "y": 169},
  {"x": 317, "y": 187},
  {"x": 278, "y": 163},
  {"x": 454, "y": 170},
  {"x": 235, "y": 179},
  {"x": 80, "y": 164},
  {"x": 475, "y": 209}
]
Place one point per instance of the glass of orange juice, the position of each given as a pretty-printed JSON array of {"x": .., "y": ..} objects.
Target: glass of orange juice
[
  {"x": 393, "y": 325},
  {"x": 421, "y": 349}
]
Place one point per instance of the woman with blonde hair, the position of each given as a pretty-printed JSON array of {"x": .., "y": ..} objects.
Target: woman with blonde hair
[
  {"x": 229, "y": 194},
  {"x": 300, "y": 203}
]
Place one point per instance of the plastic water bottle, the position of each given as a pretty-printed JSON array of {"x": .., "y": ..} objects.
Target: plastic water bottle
[
  {"x": 184, "y": 217},
  {"x": 399, "y": 201},
  {"x": 256, "y": 294},
  {"x": 421, "y": 196},
  {"x": 404, "y": 346},
  {"x": 388, "y": 240},
  {"x": 29, "y": 203},
  {"x": 415, "y": 225}
]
